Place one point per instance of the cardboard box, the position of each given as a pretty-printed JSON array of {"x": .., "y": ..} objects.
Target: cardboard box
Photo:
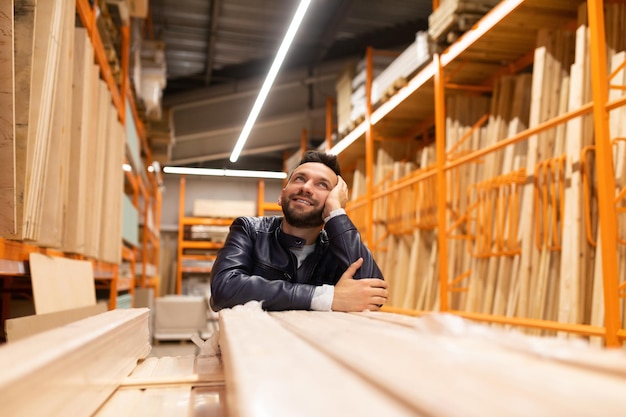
[
  {"x": 178, "y": 317},
  {"x": 138, "y": 8}
]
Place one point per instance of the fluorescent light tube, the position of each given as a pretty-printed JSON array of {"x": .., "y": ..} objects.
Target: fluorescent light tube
[
  {"x": 269, "y": 80},
  {"x": 225, "y": 172}
]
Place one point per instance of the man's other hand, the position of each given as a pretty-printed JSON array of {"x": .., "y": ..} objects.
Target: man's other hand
[{"x": 359, "y": 294}]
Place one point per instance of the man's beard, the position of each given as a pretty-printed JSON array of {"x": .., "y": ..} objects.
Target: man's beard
[{"x": 303, "y": 220}]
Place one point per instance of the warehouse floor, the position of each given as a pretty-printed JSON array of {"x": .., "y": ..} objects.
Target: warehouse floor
[{"x": 172, "y": 348}]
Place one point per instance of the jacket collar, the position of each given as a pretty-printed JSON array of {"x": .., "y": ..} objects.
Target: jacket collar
[{"x": 290, "y": 241}]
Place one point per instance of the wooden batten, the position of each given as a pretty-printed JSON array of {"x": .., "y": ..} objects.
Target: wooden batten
[
  {"x": 573, "y": 231},
  {"x": 72, "y": 369},
  {"x": 97, "y": 89},
  {"x": 74, "y": 235}
]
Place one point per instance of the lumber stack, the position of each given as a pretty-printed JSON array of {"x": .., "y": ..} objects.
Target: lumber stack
[
  {"x": 72, "y": 370},
  {"x": 401, "y": 68},
  {"x": 373, "y": 364},
  {"x": 7, "y": 119},
  {"x": 170, "y": 386},
  {"x": 61, "y": 176},
  {"x": 453, "y": 17},
  {"x": 522, "y": 222}
]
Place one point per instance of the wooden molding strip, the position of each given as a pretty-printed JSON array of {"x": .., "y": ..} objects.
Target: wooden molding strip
[{"x": 72, "y": 370}]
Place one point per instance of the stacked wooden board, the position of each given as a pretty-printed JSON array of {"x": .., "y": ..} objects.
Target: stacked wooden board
[
  {"x": 455, "y": 17},
  {"x": 62, "y": 180},
  {"x": 402, "y": 68},
  {"x": 372, "y": 364},
  {"x": 170, "y": 386},
  {"x": 72, "y": 370},
  {"x": 522, "y": 222}
]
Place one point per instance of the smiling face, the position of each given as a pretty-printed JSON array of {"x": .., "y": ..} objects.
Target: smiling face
[{"x": 303, "y": 197}]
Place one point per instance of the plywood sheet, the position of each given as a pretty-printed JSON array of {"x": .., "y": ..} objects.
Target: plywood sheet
[
  {"x": 74, "y": 236},
  {"x": 7, "y": 122},
  {"x": 55, "y": 181},
  {"x": 23, "y": 54},
  {"x": 46, "y": 46},
  {"x": 61, "y": 283}
]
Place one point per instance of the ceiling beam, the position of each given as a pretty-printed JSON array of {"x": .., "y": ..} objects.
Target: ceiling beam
[
  {"x": 337, "y": 17},
  {"x": 216, "y": 6}
]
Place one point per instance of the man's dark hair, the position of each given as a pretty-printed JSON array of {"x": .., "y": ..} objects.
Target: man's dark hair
[{"x": 324, "y": 158}]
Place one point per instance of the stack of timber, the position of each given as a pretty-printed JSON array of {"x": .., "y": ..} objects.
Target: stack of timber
[
  {"x": 465, "y": 132},
  {"x": 453, "y": 17},
  {"x": 358, "y": 98},
  {"x": 64, "y": 189},
  {"x": 373, "y": 364},
  {"x": 170, "y": 386},
  {"x": 515, "y": 214},
  {"x": 402, "y": 68},
  {"x": 72, "y": 370}
]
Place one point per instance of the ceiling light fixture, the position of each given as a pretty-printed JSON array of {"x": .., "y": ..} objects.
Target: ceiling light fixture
[
  {"x": 269, "y": 80},
  {"x": 225, "y": 172}
]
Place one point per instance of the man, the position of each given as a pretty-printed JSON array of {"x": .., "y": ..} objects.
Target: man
[{"x": 310, "y": 259}]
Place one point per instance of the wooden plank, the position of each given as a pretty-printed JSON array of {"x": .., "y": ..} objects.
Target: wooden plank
[
  {"x": 113, "y": 189},
  {"x": 529, "y": 250},
  {"x": 61, "y": 283},
  {"x": 573, "y": 223},
  {"x": 420, "y": 366},
  {"x": 46, "y": 52},
  {"x": 72, "y": 370},
  {"x": 93, "y": 110},
  {"x": 24, "y": 29},
  {"x": 179, "y": 370},
  {"x": 105, "y": 106},
  {"x": 260, "y": 377},
  {"x": 7, "y": 122},
  {"x": 574, "y": 353},
  {"x": 56, "y": 176},
  {"x": 74, "y": 235},
  {"x": 161, "y": 402}
]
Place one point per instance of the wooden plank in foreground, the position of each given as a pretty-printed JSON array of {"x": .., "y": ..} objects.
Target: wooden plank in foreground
[
  {"x": 72, "y": 370},
  {"x": 270, "y": 371},
  {"x": 173, "y": 386},
  {"x": 426, "y": 370}
]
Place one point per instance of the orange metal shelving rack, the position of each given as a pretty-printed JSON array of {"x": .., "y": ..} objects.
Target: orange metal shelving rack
[{"x": 432, "y": 83}]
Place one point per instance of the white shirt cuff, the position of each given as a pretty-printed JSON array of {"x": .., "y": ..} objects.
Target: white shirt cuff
[
  {"x": 335, "y": 212},
  {"x": 323, "y": 298}
]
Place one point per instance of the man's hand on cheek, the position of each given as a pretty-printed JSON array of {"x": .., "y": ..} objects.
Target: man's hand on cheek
[{"x": 337, "y": 198}]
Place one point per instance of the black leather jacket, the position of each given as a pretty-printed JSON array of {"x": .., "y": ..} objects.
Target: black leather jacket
[{"x": 256, "y": 264}]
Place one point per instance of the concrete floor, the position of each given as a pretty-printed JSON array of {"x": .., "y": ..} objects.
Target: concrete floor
[{"x": 172, "y": 348}]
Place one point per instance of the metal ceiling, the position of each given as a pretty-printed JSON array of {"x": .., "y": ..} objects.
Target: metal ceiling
[{"x": 214, "y": 47}]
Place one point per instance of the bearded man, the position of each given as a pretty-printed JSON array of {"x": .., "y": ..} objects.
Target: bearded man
[{"x": 312, "y": 258}]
